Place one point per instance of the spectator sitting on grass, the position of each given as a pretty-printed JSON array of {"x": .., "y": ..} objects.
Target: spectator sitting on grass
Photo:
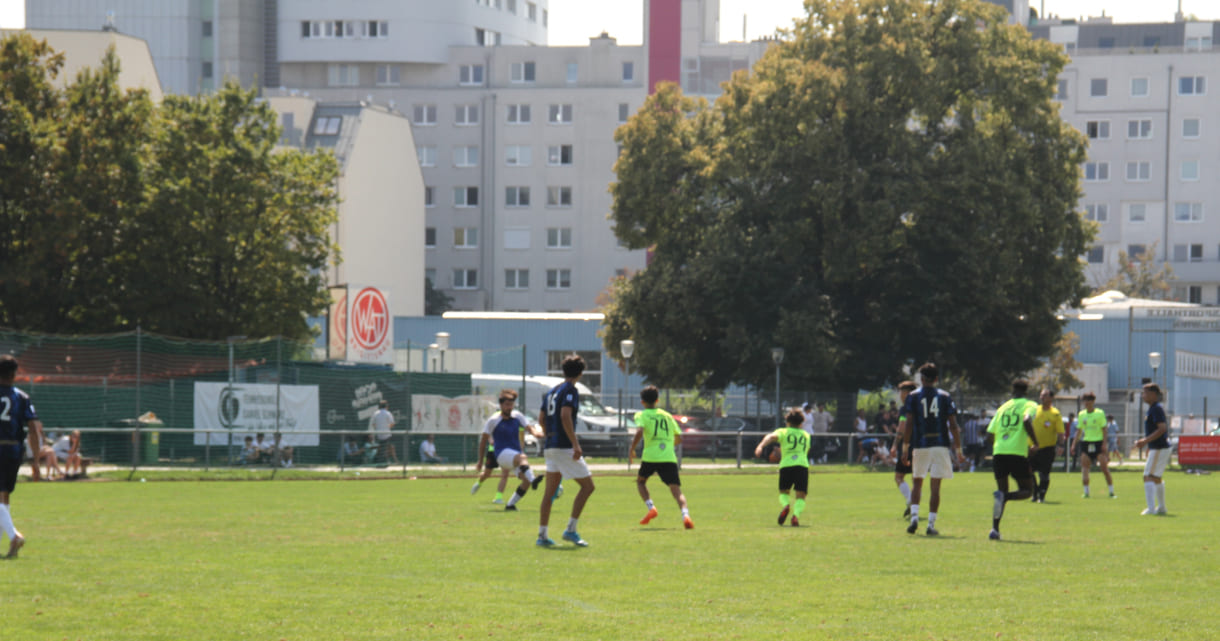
[
  {"x": 249, "y": 452},
  {"x": 427, "y": 451},
  {"x": 352, "y": 452},
  {"x": 282, "y": 454}
]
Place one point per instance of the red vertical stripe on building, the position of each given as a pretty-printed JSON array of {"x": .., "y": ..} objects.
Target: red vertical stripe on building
[{"x": 664, "y": 42}]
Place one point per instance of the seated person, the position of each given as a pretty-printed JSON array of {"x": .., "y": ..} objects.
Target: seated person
[
  {"x": 370, "y": 447},
  {"x": 427, "y": 451},
  {"x": 46, "y": 456},
  {"x": 265, "y": 449},
  {"x": 352, "y": 452},
  {"x": 281, "y": 454},
  {"x": 74, "y": 460},
  {"x": 249, "y": 452}
]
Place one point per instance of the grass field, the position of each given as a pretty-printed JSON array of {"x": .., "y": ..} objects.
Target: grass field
[{"x": 422, "y": 559}]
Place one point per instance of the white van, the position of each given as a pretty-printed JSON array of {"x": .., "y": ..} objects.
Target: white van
[{"x": 594, "y": 421}]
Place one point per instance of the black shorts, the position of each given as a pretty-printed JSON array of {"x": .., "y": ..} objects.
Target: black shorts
[
  {"x": 489, "y": 461},
  {"x": 794, "y": 477},
  {"x": 667, "y": 471},
  {"x": 900, "y": 467},
  {"x": 8, "y": 473},
  {"x": 1014, "y": 465},
  {"x": 1091, "y": 449}
]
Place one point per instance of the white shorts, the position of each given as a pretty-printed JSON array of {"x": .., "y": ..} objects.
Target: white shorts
[
  {"x": 560, "y": 460},
  {"x": 931, "y": 461},
  {"x": 1158, "y": 460},
  {"x": 505, "y": 459}
]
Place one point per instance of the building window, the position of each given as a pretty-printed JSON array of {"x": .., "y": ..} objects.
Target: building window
[
  {"x": 559, "y": 196},
  {"x": 516, "y": 279},
  {"x": 1137, "y": 212},
  {"x": 1139, "y": 87},
  {"x": 465, "y": 196},
  {"x": 377, "y": 29},
  {"x": 1192, "y": 86},
  {"x": 1139, "y": 171},
  {"x": 1061, "y": 91},
  {"x": 1137, "y": 253},
  {"x": 1190, "y": 170},
  {"x": 1188, "y": 212},
  {"x": 465, "y": 278},
  {"x": 517, "y": 238},
  {"x": 466, "y": 115},
  {"x": 466, "y": 156},
  {"x": 1096, "y": 171},
  {"x": 1096, "y": 255},
  {"x": 1199, "y": 44},
  {"x": 512, "y": 7},
  {"x": 1190, "y": 128},
  {"x": 424, "y": 115},
  {"x": 518, "y": 114},
  {"x": 518, "y": 155},
  {"x": 628, "y": 72},
  {"x": 207, "y": 29},
  {"x": 517, "y": 196},
  {"x": 429, "y": 196},
  {"x": 429, "y": 237},
  {"x": 1139, "y": 129},
  {"x": 1097, "y": 212},
  {"x": 559, "y": 114},
  {"x": 327, "y": 125},
  {"x": 1194, "y": 294},
  {"x": 531, "y": 11},
  {"x": 1097, "y": 129},
  {"x": 465, "y": 237},
  {"x": 427, "y": 155},
  {"x": 558, "y": 279},
  {"x": 624, "y": 112},
  {"x": 1105, "y": 42},
  {"x": 1098, "y": 87},
  {"x": 307, "y": 29},
  {"x": 1188, "y": 253},
  {"x": 521, "y": 72},
  {"x": 559, "y": 238},
  {"x": 559, "y": 155},
  {"x": 573, "y": 73},
  {"x": 430, "y": 275},
  {"x": 387, "y": 74},
  {"x": 545, "y": 17},
  {"x": 206, "y": 72},
  {"x": 343, "y": 75},
  {"x": 470, "y": 74}
]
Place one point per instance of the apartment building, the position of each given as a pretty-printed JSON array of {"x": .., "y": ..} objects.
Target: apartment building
[{"x": 1141, "y": 94}]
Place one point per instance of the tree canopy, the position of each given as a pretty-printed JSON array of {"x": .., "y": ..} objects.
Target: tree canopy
[
  {"x": 182, "y": 218},
  {"x": 891, "y": 183}
]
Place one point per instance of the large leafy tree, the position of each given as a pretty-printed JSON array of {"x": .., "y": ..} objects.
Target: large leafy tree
[
  {"x": 891, "y": 183},
  {"x": 1139, "y": 276}
]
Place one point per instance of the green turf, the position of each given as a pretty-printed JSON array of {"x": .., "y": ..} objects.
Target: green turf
[{"x": 422, "y": 559}]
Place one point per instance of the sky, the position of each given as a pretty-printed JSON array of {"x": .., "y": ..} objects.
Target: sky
[{"x": 573, "y": 22}]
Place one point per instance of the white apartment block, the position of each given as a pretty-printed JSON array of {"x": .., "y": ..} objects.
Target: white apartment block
[{"x": 1143, "y": 95}]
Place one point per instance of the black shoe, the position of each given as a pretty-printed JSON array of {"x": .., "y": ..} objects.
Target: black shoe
[
  {"x": 932, "y": 531},
  {"x": 510, "y": 508},
  {"x": 783, "y": 515},
  {"x": 534, "y": 484},
  {"x": 906, "y": 514},
  {"x": 912, "y": 527}
]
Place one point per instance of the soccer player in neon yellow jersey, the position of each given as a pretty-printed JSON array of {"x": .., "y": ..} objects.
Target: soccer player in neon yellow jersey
[
  {"x": 659, "y": 431},
  {"x": 1013, "y": 431},
  {"x": 902, "y": 467},
  {"x": 793, "y": 465},
  {"x": 1091, "y": 434}
]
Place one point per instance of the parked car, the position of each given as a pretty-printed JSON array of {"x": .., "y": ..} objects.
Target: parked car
[{"x": 716, "y": 437}]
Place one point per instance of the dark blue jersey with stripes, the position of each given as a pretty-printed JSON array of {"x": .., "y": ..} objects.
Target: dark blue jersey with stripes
[
  {"x": 16, "y": 411},
  {"x": 561, "y": 396},
  {"x": 928, "y": 410}
]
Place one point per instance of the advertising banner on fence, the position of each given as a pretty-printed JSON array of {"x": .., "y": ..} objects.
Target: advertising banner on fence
[
  {"x": 1198, "y": 451},
  {"x": 250, "y": 408},
  {"x": 370, "y": 327},
  {"x": 433, "y": 413}
]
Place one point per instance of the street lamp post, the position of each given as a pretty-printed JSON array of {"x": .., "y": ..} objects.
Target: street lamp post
[
  {"x": 626, "y": 347},
  {"x": 442, "y": 343},
  {"x": 1154, "y": 361},
  {"x": 433, "y": 350},
  {"x": 777, "y": 355}
]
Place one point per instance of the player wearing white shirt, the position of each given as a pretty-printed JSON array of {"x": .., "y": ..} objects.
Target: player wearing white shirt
[{"x": 503, "y": 430}]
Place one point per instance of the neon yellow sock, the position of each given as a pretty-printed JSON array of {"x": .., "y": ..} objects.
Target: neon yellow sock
[
  {"x": 798, "y": 508},
  {"x": 784, "y": 500}
]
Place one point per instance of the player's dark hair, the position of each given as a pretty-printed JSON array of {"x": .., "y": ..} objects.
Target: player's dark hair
[
  {"x": 383, "y": 404},
  {"x": 1049, "y": 390},
  {"x": 1152, "y": 387},
  {"x": 1020, "y": 387},
  {"x": 929, "y": 372},
  {"x": 1088, "y": 396},
  {"x": 795, "y": 418},
  {"x": 8, "y": 367},
  {"x": 907, "y": 386},
  {"x": 650, "y": 394},
  {"x": 508, "y": 394},
  {"x": 573, "y": 366}
]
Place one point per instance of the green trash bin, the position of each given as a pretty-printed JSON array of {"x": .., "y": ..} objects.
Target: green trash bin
[{"x": 150, "y": 447}]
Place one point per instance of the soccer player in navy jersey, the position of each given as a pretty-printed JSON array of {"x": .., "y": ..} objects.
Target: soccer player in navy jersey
[
  {"x": 564, "y": 457},
  {"x": 1156, "y": 437},
  {"x": 16, "y": 413},
  {"x": 931, "y": 428}
]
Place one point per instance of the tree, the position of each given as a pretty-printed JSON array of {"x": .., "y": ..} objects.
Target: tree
[
  {"x": 1059, "y": 372},
  {"x": 436, "y": 302},
  {"x": 1139, "y": 277},
  {"x": 891, "y": 184}
]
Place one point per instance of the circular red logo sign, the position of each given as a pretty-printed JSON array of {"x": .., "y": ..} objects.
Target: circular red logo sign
[{"x": 370, "y": 318}]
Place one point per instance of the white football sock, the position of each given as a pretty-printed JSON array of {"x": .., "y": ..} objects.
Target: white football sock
[
  {"x": 649, "y": 504},
  {"x": 1160, "y": 494},
  {"x": 1111, "y": 489},
  {"x": 571, "y": 525},
  {"x": 931, "y": 519},
  {"x": 906, "y": 491},
  {"x": 6, "y": 522},
  {"x": 1150, "y": 495},
  {"x": 914, "y": 512},
  {"x": 542, "y": 531},
  {"x": 1086, "y": 490},
  {"x": 686, "y": 511},
  {"x": 529, "y": 475}
]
